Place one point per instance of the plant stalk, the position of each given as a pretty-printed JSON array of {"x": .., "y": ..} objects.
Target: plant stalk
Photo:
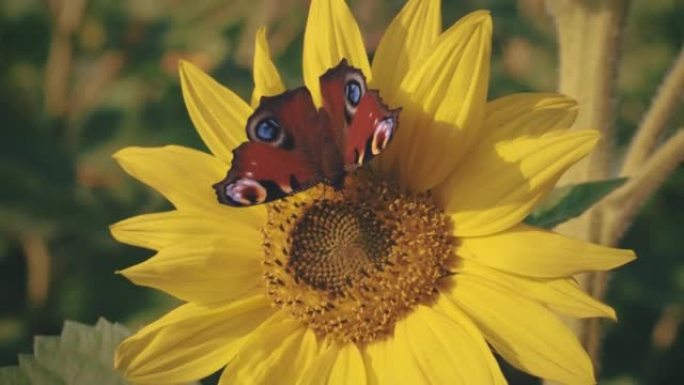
[{"x": 589, "y": 36}]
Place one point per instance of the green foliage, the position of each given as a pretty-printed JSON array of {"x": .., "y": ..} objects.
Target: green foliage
[
  {"x": 81, "y": 355},
  {"x": 568, "y": 202}
]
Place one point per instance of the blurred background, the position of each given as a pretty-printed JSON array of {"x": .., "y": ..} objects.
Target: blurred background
[{"x": 80, "y": 79}]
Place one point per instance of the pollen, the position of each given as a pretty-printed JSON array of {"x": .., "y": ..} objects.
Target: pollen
[{"x": 350, "y": 263}]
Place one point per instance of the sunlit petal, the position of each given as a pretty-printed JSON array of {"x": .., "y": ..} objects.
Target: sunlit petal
[
  {"x": 392, "y": 360},
  {"x": 562, "y": 295},
  {"x": 496, "y": 187},
  {"x": 203, "y": 272},
  {"x": 438, "y": 340},
  {"x": 526, "y": 334},
  {"x": 531, "y": 251},
  {"x": 331, "y": 35},
  {"x": 337, "y": 365},
  {"x": 443, "y": 104},
  {"x": 219, "y": 115},
  {"x": 274, "y": 354},
  {"x": 407, "y": 42},
  {"x": 158, "y": 230},
  {"x": 190, "y": 342},
  {"x": 267, "y": 80},
  {"x": 526, "y": 114}
]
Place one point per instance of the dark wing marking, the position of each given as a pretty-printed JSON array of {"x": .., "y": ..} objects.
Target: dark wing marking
[
  {"x": 285, "y": 120},
  {"x": 278, "y": 159},
  {"x": 261, "y": 173},
  {"x": 363, "y": 125},
  {"x": 370, "y": 132}
]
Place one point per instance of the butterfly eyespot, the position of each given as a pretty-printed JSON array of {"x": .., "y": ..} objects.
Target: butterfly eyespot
[
  {"x": 245, "y": 192},
  {"x": 263, "y": 127},
  {"x": 353, "y": 91},
  {"x": 382, "y": 134},
  {"x": 267, "y": 130}
]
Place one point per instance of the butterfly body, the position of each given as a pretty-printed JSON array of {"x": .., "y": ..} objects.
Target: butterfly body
[{"x": 294, "y": 146}]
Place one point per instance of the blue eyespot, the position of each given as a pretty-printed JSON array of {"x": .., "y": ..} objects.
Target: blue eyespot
[
  {"x": 267, "y": 130},
  {"x": 352, "y": 91}
]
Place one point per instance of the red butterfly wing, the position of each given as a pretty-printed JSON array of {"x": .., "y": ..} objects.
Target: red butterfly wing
[
  {"x": 335, "y": 85},
  {"x": 370, "y": 132},
  {"x": 363, "y": 125},
  {"x": 292, "y": 146},
  {"x": 261, "y": 173},
  {"x": 282, "y": 156}
]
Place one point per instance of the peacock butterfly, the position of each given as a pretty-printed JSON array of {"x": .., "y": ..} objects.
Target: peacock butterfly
[{"x": 294, "y": 146}]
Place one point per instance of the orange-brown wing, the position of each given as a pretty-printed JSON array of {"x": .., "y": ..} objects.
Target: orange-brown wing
[
  {"x": 371, "y": 130},
  {"x": 261, "y": 173},
  {"x": 342, "y": 88},
  {"x": 363, "y": 124},
  {"x": 281, "y": 156},
  {"x": 288, "y": 120}
]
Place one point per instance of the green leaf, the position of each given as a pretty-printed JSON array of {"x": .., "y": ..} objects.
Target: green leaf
[
  {"x": 37, "y": 373},
  {"x": 568, "y": 202},
  {"x": 13, "y": 375},
  {"x": 82, "y": 354}
]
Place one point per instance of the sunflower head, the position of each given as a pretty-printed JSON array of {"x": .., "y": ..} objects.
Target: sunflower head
[
  {"x": 414, "y": 272},
  {"x": 350, "y": 263}
]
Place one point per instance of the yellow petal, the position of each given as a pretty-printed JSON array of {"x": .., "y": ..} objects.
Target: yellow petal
[
  {"x": 497, "y": 186},
  {"x": 525, "y": 334},
  {"x": 331, "y": 34},
  {"x": 408, "y": 40},
  {"x": 562, "y": 295},
  {"x": 433, "y": 346},
  {"x": 530, "y": 251},
  {"x": 445, "y": 99},
  {"x": 348, "y": 367},
  {"x": 219, "y": 115},
  {"x": 446, "y": 307},
  {"x": 202, "y": 272},
  {"x": 190, "y": 342},
  {"x": 183, "y": 176},
  {"x": 275, "y": 354},
  {"x": 391, "y": 361},
  {"x": 159, "y": 230},
  {"x": 526, "y": 114},
  {"x": 515, "y": 116},
  {"x": 267, "y": 80},
  {"x": 337, "y": 365},
  {"x": 449, "y": 349}
]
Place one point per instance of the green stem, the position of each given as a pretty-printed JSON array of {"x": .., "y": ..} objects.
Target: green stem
[
  {"x": 589, "y": 34},
  {"x": 664, "y": 105}
]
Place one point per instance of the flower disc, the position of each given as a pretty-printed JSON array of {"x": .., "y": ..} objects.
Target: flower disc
[{"x": 350, "y": 263}]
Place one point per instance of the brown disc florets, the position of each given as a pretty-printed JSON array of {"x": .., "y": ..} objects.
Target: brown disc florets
[{"x": 349, "y": 264}]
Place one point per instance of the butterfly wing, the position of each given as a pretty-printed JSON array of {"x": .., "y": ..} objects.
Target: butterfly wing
[
  {"x": 342, "y": 88},
  {"x": 261, "y": 173},
  {"x": 371, "y": 130},
  {"x": 292, "y": 146},
  {"x": 363, "y": 125},
  {"x": 277, "y": 160}
]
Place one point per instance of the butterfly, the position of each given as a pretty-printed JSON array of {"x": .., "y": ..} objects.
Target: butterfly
[{"x": 294, "y": 146}]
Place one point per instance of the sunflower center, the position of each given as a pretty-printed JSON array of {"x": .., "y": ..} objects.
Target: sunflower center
[
  {"x": 336, "y": 245},
  {"x": 349, "y": 264}
]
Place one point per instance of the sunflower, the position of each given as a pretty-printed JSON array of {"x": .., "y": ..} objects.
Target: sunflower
[{"x": 415, "y": 273}]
